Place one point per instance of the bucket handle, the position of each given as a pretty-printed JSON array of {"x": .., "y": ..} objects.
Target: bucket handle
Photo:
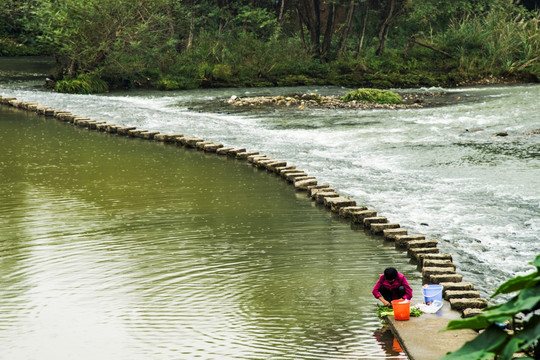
[{"x": 432, "y": 295}]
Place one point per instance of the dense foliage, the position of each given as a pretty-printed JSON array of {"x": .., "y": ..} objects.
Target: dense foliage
[
  {"x": 373, "y": 96},
  {"x": 494, "y": 341},
  {"x": 174, "y": 44}
]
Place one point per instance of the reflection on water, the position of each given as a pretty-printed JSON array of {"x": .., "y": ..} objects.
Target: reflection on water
[
  {"x": 389, "y": 343},
  {"x": 116, "y": 248}
]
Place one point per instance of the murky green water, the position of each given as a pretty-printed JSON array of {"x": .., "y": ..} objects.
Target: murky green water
[{"x": 116, "y": 248}]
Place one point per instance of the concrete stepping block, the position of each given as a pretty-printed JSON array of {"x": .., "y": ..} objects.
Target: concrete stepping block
[
  {"x": 31, "y": 106},
  {"x": 439, "y": 278},
  {"x": 461, "y": 294},
  {"x": 290, "y": 176},
  {"x": 437, "y": 262},
  {"x": 235, "y": 151},
  {"x": 112, "y": 129},
  {"x": 320, "y": 196},
  {"x": 102, "y": 127},
  {"x": 223, "y": 151},
  {"x": 283, "y": 173},
  {"x": 279, "y": 169},
  {"x": 314, "y": 192},
  {"x": 378, "y": 228},
  {"x": 431, "y": 243},
  {"x": 134, "y": 132},
  {"x": 93, "y": 125},
  {"x": 252, "y": 158},
  {"x": 71, "y": 118},
  {"x": 390, "y": 234},
  {"x": 212, "y": 148},
  {"x": 302, "y": 178},
  {"x": 263, "y": 163},
  {"x": 149, "y": 135},
  {"x": 84, "y": 119},
  {"x": 244, "y": 155},
  {"x": 180, "y": 140},
  {"x": 471, "y": 312},
  {"x": 167, "y": 137},
  {"x": 123, "y": 130},
  {"x": 402, "y": 240},
  {"x": 171, "y": 138},
  {"x": 66, "y": 117},
  {"x": 462, "y": 304},
  {"x": 450, "y": 286},
  {"x": 61, "y": 115},
  {"x": 6, "y": 100},
  {"x": 439, "y": 256},
  {"x": 335, "y": 203},
  {"x": 428, "y": 271},
  {"x": 303, "y": 184},
  {"x": 316, "y": 188},
  {"x": 40, "y": 110},
  {"x": 359, "y": 216},
  {"x": 190, "y": 141},
  {"x": 200, "y": 144},
  {"x": 346, "y": 212},
  {"x": 415, "y": 253},
  {"x": 374, "y": 220},
  {"x": 272, "y": 165}
]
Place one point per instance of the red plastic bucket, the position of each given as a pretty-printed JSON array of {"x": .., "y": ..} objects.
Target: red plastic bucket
[{"x": 402, "y": 309}]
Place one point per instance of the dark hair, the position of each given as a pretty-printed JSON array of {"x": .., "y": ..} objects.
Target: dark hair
[{"x": 390, "y": 273}]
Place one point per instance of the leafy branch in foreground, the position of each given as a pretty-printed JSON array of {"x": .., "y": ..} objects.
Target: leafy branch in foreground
[{"x": 494, "y": 341}]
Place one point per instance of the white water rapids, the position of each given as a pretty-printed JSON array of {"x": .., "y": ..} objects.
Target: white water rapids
[{"x": 440, "y": 171}]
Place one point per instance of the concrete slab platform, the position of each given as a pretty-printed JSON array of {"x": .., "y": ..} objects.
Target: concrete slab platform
[{"x": 421, "y": 337}]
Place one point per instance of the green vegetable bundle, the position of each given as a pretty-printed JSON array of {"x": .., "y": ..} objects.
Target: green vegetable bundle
[{"x": 383, "y": 311}]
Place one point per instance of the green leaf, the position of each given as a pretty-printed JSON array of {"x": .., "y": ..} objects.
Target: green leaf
[
  {"x": 523, "y": 339},
  {"x": 484, "y": 346},
  {"x": 536, "y": 262},
  {"x": 518, "y": 283},
  {"x": 480, "y": 321},
  {"x": 527, "y": 300}
]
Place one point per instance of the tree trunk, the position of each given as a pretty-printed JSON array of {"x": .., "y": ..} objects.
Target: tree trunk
[
  {"x": 346, "y": 29},
  {"x": 314, "y": 16},
  {"x": 364, "y": 26},
  {"x": 281, "y": 12},
  {"x": 301, "y": 26},
  {"x": 190, "y": 35},
  {"x": 328, "y": 32},
  {"x": 309, "y": 13},
  {"x": 383, "y": 32}
]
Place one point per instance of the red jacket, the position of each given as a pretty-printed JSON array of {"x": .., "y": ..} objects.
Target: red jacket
[{"x": 393, "y": 286}]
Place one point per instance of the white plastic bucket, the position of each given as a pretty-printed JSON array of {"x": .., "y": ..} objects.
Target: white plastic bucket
[{"x": 432, "y": 293}]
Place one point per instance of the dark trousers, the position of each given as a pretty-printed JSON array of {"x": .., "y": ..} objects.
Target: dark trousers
[{"x": 388, "y": 295}]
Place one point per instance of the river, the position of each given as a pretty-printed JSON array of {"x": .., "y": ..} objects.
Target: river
[{"x": 261, "y": 279}]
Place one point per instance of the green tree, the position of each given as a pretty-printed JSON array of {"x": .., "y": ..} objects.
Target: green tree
[
  {"x": 496, "y": 342},
  {"x": 111, "y": 37},
  {"x": 20, "y": 27}
]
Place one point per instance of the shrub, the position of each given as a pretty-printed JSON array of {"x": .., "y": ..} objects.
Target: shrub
[
  {"x": 494, "y": 341},
  {"x": 82, "y": 84},
  {"x": 373, "y": 96}
]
